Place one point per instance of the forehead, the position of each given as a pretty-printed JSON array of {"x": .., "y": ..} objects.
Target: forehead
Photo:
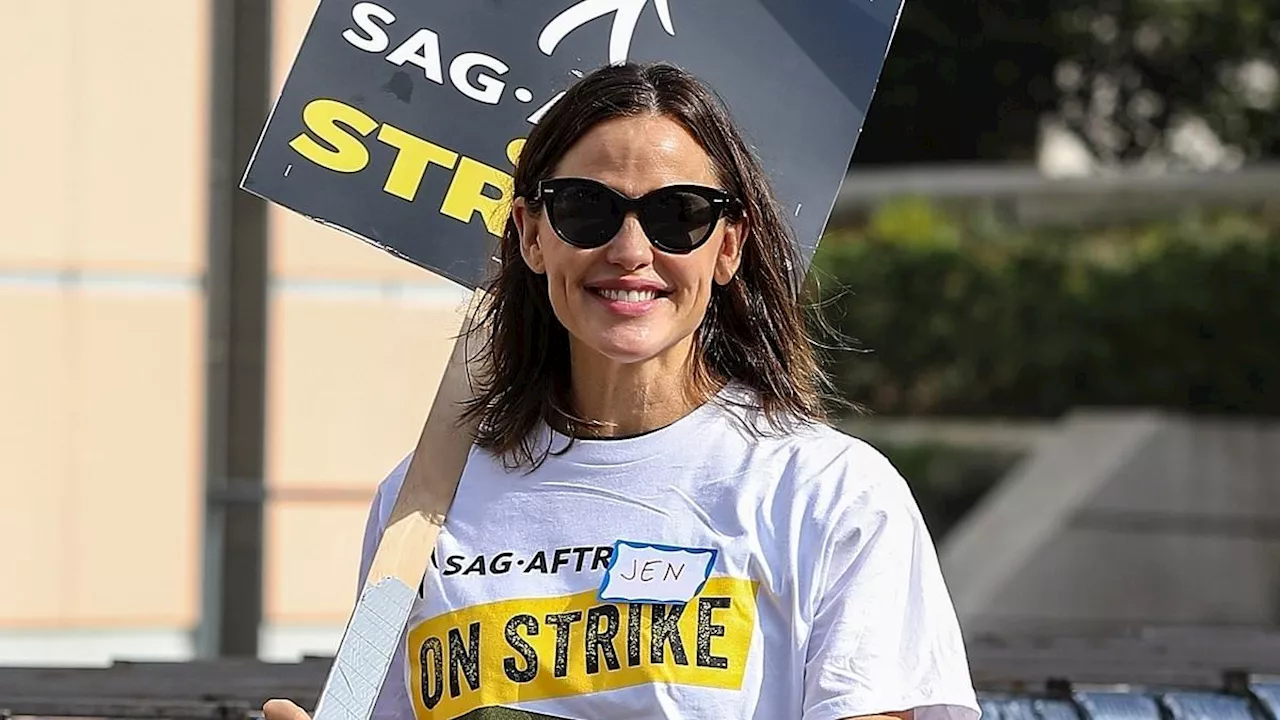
[{"x": 638, "y": 154}]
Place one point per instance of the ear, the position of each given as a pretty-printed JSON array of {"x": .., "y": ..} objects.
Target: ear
[
  {"x": 729, "y": 256},
  {"x": 526, "y": 221}
]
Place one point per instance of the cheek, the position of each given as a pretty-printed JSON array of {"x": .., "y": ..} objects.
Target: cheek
[
  {"x": 564, "y": 270},
  {"x": 694, "y": 277}
]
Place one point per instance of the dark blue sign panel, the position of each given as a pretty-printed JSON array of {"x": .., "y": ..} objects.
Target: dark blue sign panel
[{"x": 400, "y": 119}]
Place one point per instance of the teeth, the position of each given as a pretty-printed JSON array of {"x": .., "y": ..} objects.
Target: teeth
[{"x": 629, "y": 295}]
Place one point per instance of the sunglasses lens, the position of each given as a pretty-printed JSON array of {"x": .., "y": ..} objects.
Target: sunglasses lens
[
  {"x": 586, "y": 215},
  {"x": 678, "y": 221}
]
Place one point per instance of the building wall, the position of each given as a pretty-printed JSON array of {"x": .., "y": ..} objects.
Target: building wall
[{"x": 102, "y": 255}]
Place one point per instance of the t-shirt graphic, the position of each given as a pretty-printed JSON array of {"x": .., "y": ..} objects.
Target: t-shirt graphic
[
  {"x": 527, "y": 649},
  {"x": 823, "y": 598}
]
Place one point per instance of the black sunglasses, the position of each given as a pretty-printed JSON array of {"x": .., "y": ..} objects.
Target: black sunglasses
[{"x": 677, "y": 218}]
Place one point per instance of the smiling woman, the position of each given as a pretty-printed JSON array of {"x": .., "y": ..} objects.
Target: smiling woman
[
  {"x": 629, "y": 305},
  {"x": 646, "y": 388},
  {"x": 638, "y": 182}
]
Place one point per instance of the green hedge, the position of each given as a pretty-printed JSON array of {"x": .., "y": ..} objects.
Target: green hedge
[{"x": 951, "y": 315}]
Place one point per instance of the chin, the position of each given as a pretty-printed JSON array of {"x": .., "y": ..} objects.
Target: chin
[
  {"x": 627, "y": 353},
  {"x": 627, "y": 348}
]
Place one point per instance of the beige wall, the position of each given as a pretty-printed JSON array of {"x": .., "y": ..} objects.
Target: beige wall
[
  {"x": 99, "y": 372},
  {"x": 102, "y": 325},
  {"x": 350, "y": 384},
  {"x": 103, "y": 156}
]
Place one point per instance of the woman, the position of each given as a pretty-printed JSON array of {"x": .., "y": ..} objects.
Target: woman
[{"x": 655, "y": 522}]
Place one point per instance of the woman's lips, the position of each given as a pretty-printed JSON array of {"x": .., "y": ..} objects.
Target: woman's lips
[{"x": 629, "y": 303}]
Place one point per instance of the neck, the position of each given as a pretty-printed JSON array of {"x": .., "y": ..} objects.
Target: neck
[{"x": 631, "y": 398}]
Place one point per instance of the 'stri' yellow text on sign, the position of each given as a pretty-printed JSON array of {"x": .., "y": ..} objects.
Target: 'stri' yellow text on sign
[{"x": 332, "y": 122}]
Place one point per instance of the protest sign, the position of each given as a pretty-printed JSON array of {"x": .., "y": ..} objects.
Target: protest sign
[
  {"x": 400, "y": 122},
  {"x": 400, "y": 119}
]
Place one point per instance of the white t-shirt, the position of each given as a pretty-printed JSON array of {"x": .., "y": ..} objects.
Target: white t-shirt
[{"x": 824, "y": 598}]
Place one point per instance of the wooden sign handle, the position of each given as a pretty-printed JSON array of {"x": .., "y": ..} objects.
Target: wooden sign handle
[{"x": 404, "y": 551}]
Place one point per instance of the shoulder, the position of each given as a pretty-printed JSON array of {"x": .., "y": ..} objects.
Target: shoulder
[
  {"x": 384, "y": 496},
  {"x": 840, "y": 465},
  {"x": 834, "y": 455},
  {"x": 829, "y": 482},
  {"x": 822, "y": 463},
  {"x": 808, "y": 441},
  {"x": 847, "y": 486},
  {"x": 388, "y": 489}
]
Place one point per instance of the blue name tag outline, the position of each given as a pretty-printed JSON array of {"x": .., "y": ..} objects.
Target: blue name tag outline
[{"x": 613, "y": 559}]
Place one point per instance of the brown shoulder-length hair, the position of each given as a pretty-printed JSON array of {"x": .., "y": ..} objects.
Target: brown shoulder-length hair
[{"x": 754, "y": 332}]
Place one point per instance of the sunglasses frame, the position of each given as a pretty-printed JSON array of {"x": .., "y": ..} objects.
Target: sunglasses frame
[{"x": 722, "y": 204}]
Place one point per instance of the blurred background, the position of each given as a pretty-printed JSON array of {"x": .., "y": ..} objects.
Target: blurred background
[{"x": 1054, "y": 270}]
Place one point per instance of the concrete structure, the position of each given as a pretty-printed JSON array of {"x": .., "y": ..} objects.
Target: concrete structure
[{"x": 1127, "y": 519}]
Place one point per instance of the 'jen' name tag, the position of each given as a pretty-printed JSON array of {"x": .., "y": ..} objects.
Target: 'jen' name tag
[{"x": 647, "y": 573}]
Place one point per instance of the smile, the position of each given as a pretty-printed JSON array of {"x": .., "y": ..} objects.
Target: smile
[{"x": 628, "y": 295}]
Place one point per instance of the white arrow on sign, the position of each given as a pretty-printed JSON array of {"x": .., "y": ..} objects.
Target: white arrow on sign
[{"x": 625, "y": 20}]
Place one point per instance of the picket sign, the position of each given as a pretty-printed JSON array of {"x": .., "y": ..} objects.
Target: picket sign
[{"x": 400, "y": 123}]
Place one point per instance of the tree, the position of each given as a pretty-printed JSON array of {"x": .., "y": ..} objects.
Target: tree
[
  {"x": 1132, "y": 79},
  {"x": 963, "y": 81}
]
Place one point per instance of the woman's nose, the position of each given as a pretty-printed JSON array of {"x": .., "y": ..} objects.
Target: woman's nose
[{"x": 630, "y": 248}]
